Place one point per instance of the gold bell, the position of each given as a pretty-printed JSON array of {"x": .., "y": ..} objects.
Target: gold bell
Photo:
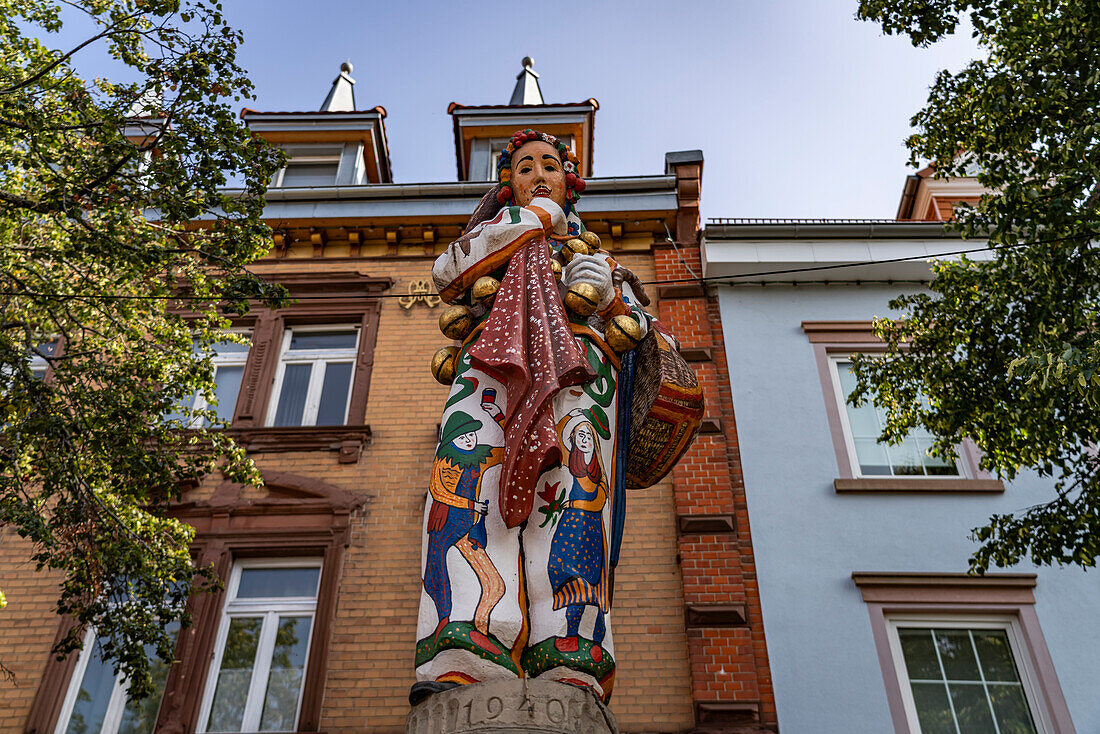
[
  {"x": 623, "y": 333},
  {"x": 574, "y": 247},
  {"x": 443, "y": 365},
  {"x": 484, "y": 290},
  {"x": 456, "y": 322},
  {"x": 591, "y": 239},
  {"x": 556, "y": 267},
  {"x": 582, "y": 299}
]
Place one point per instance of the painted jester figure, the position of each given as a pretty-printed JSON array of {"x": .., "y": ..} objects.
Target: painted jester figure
[{"x": 525, "y": 510}]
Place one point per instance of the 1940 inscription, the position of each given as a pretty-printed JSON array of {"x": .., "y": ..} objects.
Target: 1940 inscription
[{"x": 512, "y": 706}]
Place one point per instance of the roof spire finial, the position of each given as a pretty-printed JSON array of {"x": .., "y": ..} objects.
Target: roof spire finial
[
  {"x": 341, "y": 98},
  {"x": 527, "y": 89}
]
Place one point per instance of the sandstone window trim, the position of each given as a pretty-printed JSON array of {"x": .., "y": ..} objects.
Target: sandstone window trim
[
  {"x": 832, "y": 341},
  {"x": 328, "y": 299},
  {"x": 271, "y": 611},
  {"x": 1003, "y": 600}
]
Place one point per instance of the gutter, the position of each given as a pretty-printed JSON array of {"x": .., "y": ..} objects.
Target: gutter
[
  {"x": 885, "y": 230},
  {"x": 450, "y": 190}
]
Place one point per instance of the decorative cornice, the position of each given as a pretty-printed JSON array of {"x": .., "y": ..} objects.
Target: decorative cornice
[
  {"x": 945, "y": 588},
  {"x": 838, "y": 332},
  {"x": 348, "y": 440}
]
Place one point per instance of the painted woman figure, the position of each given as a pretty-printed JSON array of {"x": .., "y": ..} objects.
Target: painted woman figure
[
  {"x": 539, "y": 365},
  {"x": 577, "y": 554}
]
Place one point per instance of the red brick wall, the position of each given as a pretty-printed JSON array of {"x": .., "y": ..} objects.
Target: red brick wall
[{"x": 730, "y": 678}]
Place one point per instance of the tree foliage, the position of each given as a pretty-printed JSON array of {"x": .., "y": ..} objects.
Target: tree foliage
[
  {"x": 1006, "y": 350},
  {"x": 106, "y": 280}
]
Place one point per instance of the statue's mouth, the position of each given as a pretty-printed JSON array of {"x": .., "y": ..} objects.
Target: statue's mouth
[{"x": 541, "y": 190}]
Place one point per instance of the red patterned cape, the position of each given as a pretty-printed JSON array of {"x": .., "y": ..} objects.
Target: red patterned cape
[{"x": 527, "y": 345}]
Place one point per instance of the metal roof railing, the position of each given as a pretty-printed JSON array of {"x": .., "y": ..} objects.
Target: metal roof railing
[{"x": 802, "y": 220}]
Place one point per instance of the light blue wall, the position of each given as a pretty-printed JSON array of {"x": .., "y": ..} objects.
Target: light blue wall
[{"x": 808, "y": 540}]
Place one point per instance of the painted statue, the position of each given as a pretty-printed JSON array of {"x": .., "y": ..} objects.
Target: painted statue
[{"x": 525, "y": 510}]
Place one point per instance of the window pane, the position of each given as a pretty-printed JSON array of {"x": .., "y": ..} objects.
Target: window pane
[
  {"x": 273, "y": 582},
  {"x": 957, "y": 655},
  {"x": 288, "y": 664},
  {"x": 872, "y": 457},
  {"x": 933, "y": 710},
  {"x": 334, "y": 394},
  {"x": 934, "y": 464},
  {"x": 292, "y": 397},
  {"x": 228, "y": 384},
  {"x": 235, "y": 674},
  {"x": 141, "y": 716},
  {"x": 93, "y": 696},
  {"x": 323, "y": 340},
  {"x": 864, "y": 422},
  {"x": 919, "y": 652},
  {"x": 310, "y": 174},
  {"x": 995, "y": 655},
  {"x": 972, "y": 708},
  {"x": 1013, "y": 716},
  {"x": 230, "y": 348},
  {"x": 905, "y": 459}
]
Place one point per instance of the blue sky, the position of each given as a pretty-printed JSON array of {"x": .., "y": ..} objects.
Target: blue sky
[{"x": 800, "y": 109}]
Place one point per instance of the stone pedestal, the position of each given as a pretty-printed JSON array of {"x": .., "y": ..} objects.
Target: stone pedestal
[{"x": 512, "y": 707}]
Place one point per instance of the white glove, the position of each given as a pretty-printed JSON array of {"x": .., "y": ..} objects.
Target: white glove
[{"x": 594, "y": 270}]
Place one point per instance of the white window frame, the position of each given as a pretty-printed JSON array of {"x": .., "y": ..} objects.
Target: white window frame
[
  {"x": 1018, "y": 644},
  {"x": 270, "y": 608},
  {"x": 322, "y": 357},
  {"x": 849, "y": 441},
  {"x": 231, "y": 359},
  {"x": 116, "y": 707},
  {"x": 304, "y": 158},
  {"x": 37, "y": 363}
]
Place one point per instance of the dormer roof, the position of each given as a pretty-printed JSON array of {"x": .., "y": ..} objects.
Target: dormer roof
[
  {"x": 928, "y": 199},
  {"x": 360, "y": 134}
]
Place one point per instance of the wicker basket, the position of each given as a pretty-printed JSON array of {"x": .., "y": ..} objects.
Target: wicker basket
[{"x": 665, "y": 412}]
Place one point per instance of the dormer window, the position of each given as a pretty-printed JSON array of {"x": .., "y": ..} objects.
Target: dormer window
[
  {"x": 310, "y": 166},
  {"x": 481, "y": 132}
]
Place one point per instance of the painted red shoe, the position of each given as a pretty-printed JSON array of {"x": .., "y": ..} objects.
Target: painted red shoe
[
  {"x": 567, "y": 644},
  {"x": 596, "y": 653},
  {"x": 484, "y": 642}
]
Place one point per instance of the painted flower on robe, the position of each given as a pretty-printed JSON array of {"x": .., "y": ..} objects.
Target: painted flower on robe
[{"x": 555, "y": 503}]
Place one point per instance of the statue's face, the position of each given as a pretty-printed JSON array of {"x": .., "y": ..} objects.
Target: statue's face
[
  {"x": 537, "y": 171},
  {"x": 467, "y": 441}
]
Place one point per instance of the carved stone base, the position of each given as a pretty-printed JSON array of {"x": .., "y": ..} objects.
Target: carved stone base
[{"x": 512, "y": 707}]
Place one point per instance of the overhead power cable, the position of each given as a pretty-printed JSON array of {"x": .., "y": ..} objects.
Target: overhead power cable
[{"x": 709, "y": 279}]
